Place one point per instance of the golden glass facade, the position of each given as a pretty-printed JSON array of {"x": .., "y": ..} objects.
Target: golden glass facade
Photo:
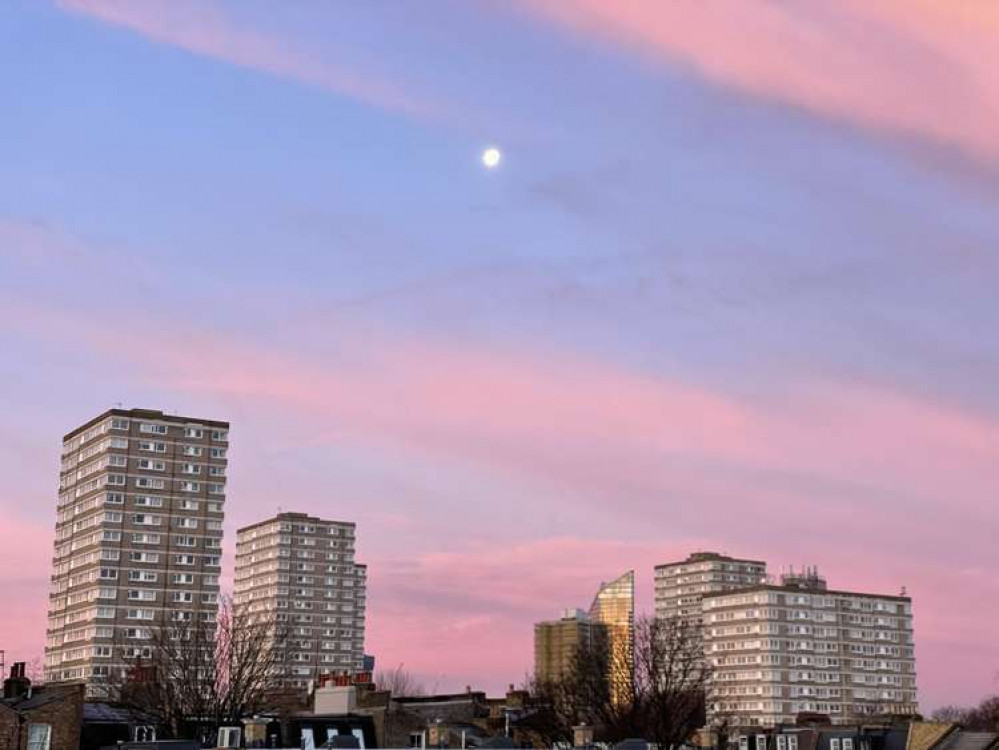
[{"x": 614, "y": 607}]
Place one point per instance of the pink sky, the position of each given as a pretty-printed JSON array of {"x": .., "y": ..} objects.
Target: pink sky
[
  {"x": 732, "y": 288},
  {"x": 842, "y": 475}
]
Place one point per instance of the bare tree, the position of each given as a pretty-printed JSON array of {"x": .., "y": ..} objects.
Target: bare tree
[
  {"x": 663, "y": 702},
  {"x": 202, "y": 672},
  {"x": 400, "y": 683},
  {"x": 981, "y": 718}
]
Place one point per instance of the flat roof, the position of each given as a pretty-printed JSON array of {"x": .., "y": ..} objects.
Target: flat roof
[
  {"x": 697, "y": 557},
  {"x": 145, "y": 414},
  {"x": 292, "y": 516},
  {"x": 796, "y": 589}
]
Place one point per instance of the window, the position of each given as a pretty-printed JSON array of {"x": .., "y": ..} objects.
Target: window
[
  {"x": 39, "y": 736},
  {"x": 145, "y": 733},
  {"x": 153, "y": 429},
  {"x": 190, "y": 469},
  {"x": 792, "y": 743},
  {"x": 761, "y": 742},
  {"x": 184, "y": 597},
  {"x": 190, "y": 487},
  {"x": 193, "y": 432},
  {"x": 834, "y": 744},
  {"x": 191, "y": 450},
  {"x": 151, "y": 464},
  {"x": 148, "y": 445},
  {"x": 217, "y": 452},
  {"x": 847, "y": 743},
  {"x": 228, "y": 737},
  {"x": 221, "y": 436}
]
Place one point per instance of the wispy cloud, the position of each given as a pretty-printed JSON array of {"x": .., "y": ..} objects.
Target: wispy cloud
[
  {"x": 591, "y": 444},
  {"x": 203, "y": 28},
  {"x": 916, "y": 68}
]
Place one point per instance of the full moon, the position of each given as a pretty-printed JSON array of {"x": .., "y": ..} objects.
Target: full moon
[{"x": 491, "y": 157}]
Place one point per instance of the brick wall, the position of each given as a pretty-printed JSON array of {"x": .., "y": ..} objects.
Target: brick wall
[{"x": 64, "y": 714}]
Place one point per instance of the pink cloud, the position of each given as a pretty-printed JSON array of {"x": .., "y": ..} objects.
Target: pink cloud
[
  {"x": 878, "y": 486},
  {"x": 203, "y": 29},
  {"x": 917, "y": 68},
  {"x": 25, "y": 562}
]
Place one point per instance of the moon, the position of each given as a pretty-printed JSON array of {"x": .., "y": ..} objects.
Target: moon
[{"x": 491, "y": 157}]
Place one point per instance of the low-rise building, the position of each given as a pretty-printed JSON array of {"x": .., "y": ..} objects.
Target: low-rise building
[{"x": 42, "y": 718}]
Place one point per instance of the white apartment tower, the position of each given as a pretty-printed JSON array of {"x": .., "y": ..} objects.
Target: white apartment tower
[
  {"x": 679, "y": 586},
  {"x": 138, "y": 538},
  {"x": 777, "y": 651},
  {"x": 300, "y": 571}
]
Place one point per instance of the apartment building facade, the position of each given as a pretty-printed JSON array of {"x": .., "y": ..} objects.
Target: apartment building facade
[
  {"x": 556, "y": 643},
  {"x": 680, "y": 586},
  {"x": 138, "y": 539},
  {"x": 798, "y": 647},
  {"x": 299, "y": 570}
]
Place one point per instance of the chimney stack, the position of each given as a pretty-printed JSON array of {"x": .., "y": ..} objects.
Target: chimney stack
[{"x": 17, "y": 685}]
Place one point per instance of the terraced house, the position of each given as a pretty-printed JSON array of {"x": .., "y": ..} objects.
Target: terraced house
[{"x": 138, "y": 538}]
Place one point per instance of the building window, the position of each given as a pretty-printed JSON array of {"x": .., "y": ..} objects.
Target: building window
[
  {"x": 39, "y": 736},
  {"x": 229, "y": 737},
  {"x": 145, "y": 733}
]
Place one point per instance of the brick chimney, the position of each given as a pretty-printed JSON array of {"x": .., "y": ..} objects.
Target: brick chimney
[{"x": 17, "y": 685}]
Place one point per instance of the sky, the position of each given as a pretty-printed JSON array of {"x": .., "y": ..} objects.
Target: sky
[{"x": 732, "y": 288}]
